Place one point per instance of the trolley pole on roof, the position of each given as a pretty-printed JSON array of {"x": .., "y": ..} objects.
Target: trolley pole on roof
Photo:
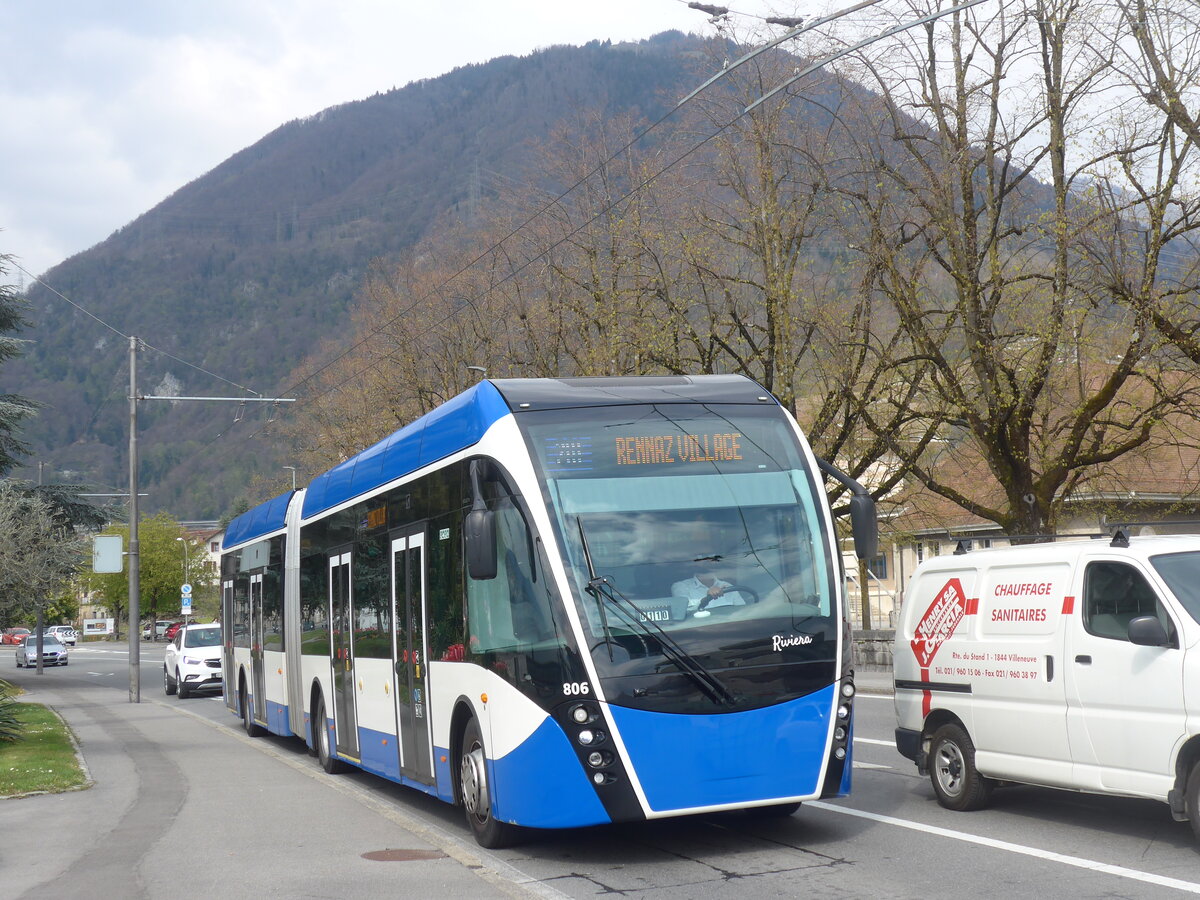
[{"x": 134, "y": 606}]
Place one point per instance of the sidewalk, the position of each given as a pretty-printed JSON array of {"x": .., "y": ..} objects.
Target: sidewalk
[
  {"x": 873, "y": 680},
  {"x": 185, "y": 807}
]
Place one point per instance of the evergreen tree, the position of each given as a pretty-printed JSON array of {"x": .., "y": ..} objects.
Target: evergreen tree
[{"x": 13, "y": 408}]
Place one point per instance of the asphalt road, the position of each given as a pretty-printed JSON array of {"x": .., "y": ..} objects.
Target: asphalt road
[{"x": 890, "y": 839}]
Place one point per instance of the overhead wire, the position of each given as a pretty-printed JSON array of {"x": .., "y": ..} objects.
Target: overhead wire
[
  {"x": 603, "y": 210},
  {"x": 556, "y": 200},
  {"x": 794, "y": 31}
]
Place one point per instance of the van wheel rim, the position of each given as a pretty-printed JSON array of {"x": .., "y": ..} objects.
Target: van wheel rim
[{"x": 949, "y": 766}]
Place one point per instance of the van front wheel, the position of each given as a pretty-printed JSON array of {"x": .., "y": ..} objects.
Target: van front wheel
[
  {"x": 956, "y": 782},
  {"x": 1192, "y": 799}
]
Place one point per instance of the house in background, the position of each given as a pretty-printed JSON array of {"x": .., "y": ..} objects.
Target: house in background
[{"x": 1155, "y": 493}]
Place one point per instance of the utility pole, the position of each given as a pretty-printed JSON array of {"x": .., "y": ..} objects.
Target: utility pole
[
  {"x": 135, "y": 635},
  {"x": 134, "y": 605}
]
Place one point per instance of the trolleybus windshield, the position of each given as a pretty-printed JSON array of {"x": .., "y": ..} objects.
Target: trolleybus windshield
[{"x": 708, "y": 524}]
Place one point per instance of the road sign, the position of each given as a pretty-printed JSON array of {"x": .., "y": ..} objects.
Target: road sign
[
  {"x": 107, "y": 553},
  {"x": 185, "y": 589},
  {"x": 185, "y": 605}
]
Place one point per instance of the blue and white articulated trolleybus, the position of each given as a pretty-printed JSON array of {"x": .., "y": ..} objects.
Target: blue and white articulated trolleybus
[{"x": 559, "y": 603}]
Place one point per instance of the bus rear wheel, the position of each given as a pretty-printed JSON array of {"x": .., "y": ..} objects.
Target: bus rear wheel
[
  {"x": 476, "y": 796},
  {"x": 328, "y": 761},
  {"x": 252, "y": 728}
]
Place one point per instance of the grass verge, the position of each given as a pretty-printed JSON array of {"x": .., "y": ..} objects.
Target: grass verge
[{"x": 42, "y": 758}]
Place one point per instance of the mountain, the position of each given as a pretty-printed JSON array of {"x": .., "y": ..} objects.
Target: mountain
[{"x": 237, "y": 276}]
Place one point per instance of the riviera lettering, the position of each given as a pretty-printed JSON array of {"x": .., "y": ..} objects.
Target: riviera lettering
[{"x": 778, "y": 642}]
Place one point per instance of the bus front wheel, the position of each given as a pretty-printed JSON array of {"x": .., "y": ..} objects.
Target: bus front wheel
[{"x": 475, "y": 792}]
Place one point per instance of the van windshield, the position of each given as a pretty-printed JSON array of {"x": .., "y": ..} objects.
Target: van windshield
[{"x": 1181, "y": 572}]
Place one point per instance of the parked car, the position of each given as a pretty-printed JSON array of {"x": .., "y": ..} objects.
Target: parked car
[
  {"x": 160, "y": 628},
  {"x": 13, "y": 635},
  {"x": 64, "y": 633},
  {"x": 193, "y": 660},
  {"x": 174, "y": 627},
  {"x": 54, "y": 651}
]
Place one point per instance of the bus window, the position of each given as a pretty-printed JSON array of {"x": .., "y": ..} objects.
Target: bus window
[
  {"x": 314, "y": 605},
  {"x": 372, "y": 600},
  {"x": 507, "y": 612}
]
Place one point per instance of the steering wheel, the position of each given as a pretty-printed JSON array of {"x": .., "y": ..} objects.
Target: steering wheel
[{"x": 749, "y": 594}]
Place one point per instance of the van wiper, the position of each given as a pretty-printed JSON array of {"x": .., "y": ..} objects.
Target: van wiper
[{"x": 601, "y": 588}]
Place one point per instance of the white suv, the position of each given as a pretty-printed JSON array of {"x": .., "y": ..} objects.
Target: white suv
[
  {"x": 64, "y": 633},
  {"x": 193, "y": 660}
]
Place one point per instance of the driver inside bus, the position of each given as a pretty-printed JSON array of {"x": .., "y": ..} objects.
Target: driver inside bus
[{"x": 704, "y": 590}]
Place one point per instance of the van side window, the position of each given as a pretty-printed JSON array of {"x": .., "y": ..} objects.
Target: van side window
[{"x": 1114, "y": 594}]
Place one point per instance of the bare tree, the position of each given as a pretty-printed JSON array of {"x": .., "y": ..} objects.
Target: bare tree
[
  {"x": 987, "y": 172},
  {"x": 40, "y": 556}
]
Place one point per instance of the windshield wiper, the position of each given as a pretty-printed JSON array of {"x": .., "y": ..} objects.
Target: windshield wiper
[
  {"x": 587, "y": 558},
  {"x": 600, "y": 587}
]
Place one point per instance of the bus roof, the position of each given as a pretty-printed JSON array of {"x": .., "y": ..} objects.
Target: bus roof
[
  {"x": 462, "y": 421},
  {"x": 255, "y": 523}
]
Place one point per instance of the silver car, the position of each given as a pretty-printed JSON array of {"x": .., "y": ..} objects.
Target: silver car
[{"x": 54, "y": 651}]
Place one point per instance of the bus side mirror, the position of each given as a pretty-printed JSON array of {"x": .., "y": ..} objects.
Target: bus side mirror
[
  {"x": 479, "y": 540},
  {"x": 864, "y": 525},
  {"x": 479, "y": 528},
  {"x": 1147, "y": 631}
]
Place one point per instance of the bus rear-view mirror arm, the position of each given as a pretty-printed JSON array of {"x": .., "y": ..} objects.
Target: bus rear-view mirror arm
[{"x": 864, "y": 524}]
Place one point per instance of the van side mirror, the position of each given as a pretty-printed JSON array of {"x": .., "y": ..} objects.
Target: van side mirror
[{"x": 1148, "y": 631}]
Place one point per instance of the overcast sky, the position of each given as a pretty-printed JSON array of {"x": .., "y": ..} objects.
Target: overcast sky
[{"x": 109, "y": 107}]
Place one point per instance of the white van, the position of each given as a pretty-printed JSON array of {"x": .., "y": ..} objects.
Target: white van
[{"x": 1071, "y": 665}]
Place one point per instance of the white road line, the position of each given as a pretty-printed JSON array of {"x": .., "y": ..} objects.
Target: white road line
[
  {"x": 859, "y": 740},
  {"x": 1078, "y": 862},
  {"x": 867, "y": 765}
]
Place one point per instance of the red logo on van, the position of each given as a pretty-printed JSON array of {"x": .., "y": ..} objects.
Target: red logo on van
[{"x": 939, "y": 622}]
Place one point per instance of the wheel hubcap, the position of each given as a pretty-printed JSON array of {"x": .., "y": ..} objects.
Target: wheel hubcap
[
  {"x": 474, "y": 783},
  {"x": 950, "y": 768}
]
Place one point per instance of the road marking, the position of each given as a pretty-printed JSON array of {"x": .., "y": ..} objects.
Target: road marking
[
  {"x": 1036, "y": 852},
  {"x": 867, "y": 765},
  {"x": 859, "y": 740}
]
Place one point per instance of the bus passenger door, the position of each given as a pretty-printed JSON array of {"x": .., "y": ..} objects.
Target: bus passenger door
[
  {"x": 341, "y": 655},
  {"x": 411, "y": 650},
  {"x": 258, "y": 683},
  {"x": 227, "y": 623}
]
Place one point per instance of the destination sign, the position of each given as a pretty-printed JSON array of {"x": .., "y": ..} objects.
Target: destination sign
[{"x": 666, "y": 449}]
